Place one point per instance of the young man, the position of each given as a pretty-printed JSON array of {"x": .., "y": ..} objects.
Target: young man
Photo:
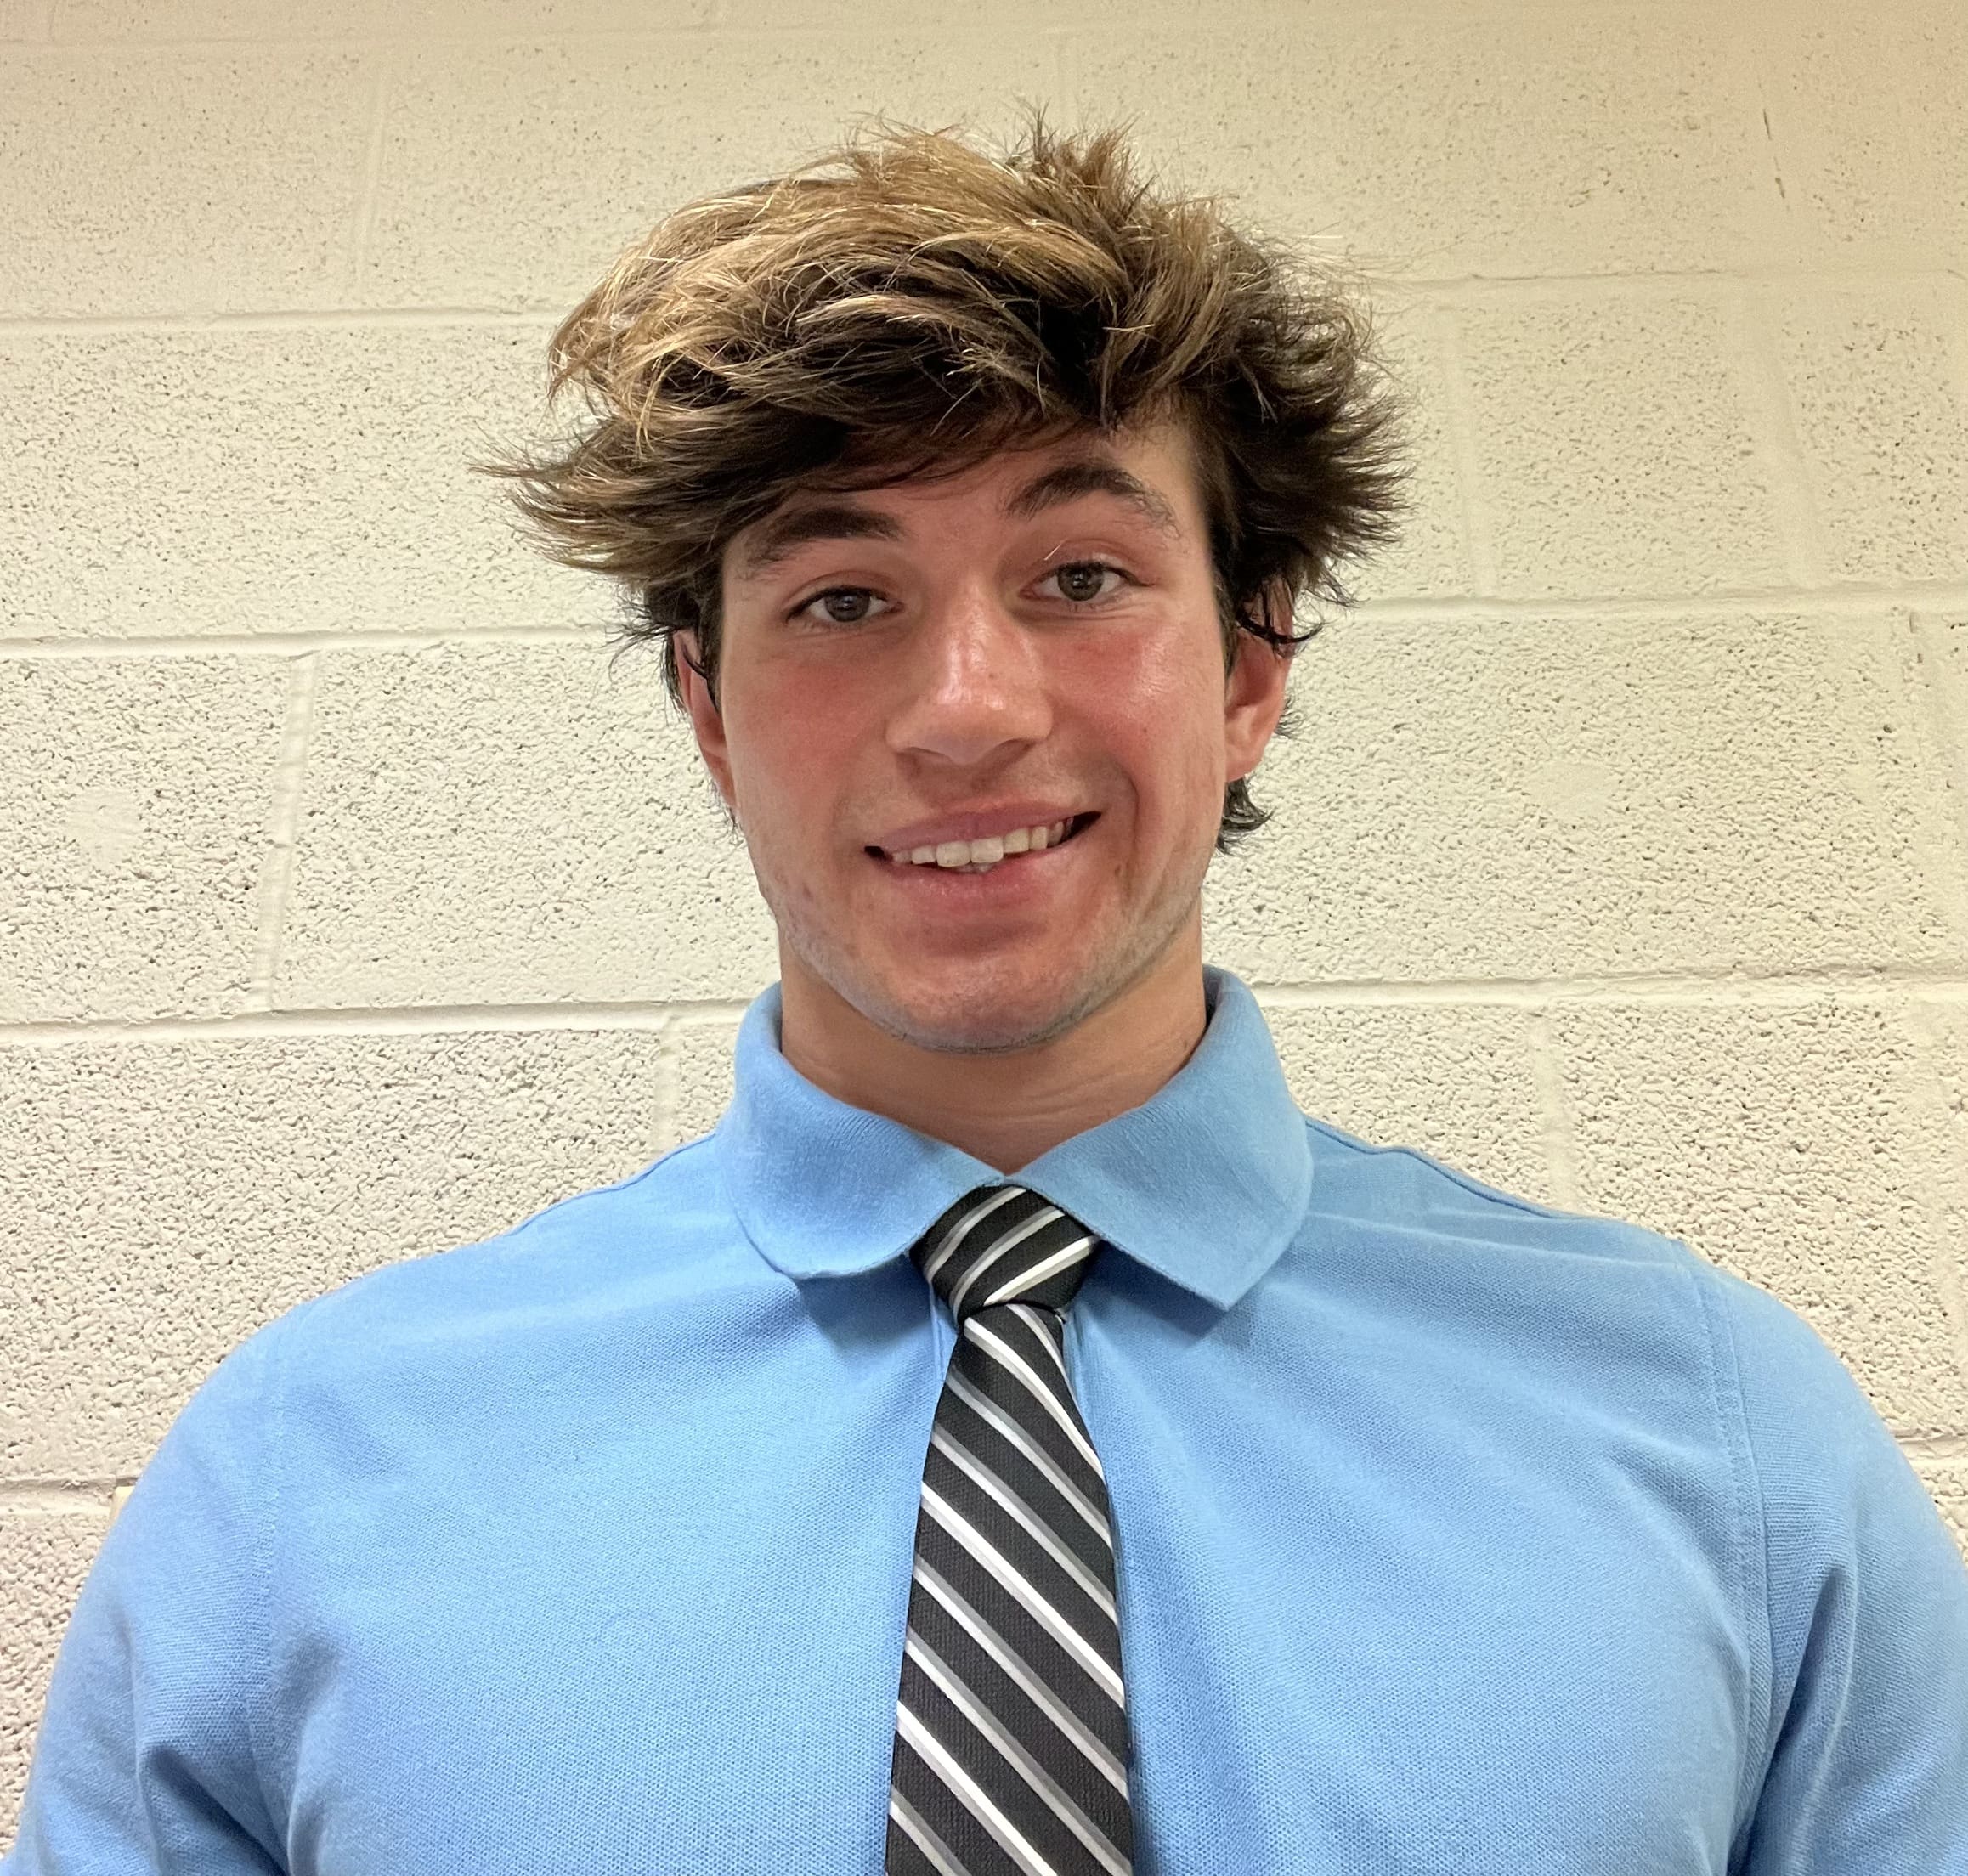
[{"x": 1017, "y": 1441}]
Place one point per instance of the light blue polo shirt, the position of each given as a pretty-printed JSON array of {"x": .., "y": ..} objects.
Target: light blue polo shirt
[{"x": 1455, "y": 1536}]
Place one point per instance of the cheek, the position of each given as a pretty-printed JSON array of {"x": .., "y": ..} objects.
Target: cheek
[
  {"x": 1160, "y": 717},
  {"x": 791, "y": 742}
]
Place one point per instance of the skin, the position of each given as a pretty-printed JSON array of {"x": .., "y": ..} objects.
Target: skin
[{"x": 960, "y": 664}]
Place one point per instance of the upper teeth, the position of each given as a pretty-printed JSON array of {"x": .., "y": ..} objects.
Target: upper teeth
[{"x": 985, "y": 853}]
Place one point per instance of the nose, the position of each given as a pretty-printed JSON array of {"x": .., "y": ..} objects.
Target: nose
[{"x": 973, "y": 683}]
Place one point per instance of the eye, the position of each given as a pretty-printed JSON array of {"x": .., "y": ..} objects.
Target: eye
[
  {"x": 841, "y": 606},
  {"x": 1082, "y": 581}
]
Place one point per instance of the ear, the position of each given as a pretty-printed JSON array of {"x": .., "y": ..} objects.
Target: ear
[
  {"x": 705, "y": 718},
  {"x": 1254, "y": 690}
]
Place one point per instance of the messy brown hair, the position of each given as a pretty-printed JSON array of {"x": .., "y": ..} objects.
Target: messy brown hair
[{"x": 911, "y": 303}]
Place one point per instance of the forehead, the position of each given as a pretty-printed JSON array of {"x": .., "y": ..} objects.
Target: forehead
[{"x": 1149, "y": 472}]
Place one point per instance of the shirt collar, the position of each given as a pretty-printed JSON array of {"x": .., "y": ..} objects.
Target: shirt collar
[{"x": 1204, "y": 1183}]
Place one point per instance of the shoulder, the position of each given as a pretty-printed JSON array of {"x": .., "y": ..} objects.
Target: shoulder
[
  {"x": 1824, "y": 1458},
  {"x": 1819, "y": 1469},
  {"x": 1780, "y": 1369},
  {"x": 1398, "y": 1186},
  {"x": 1795, "y": 1419},
  {"x": 567, "y": 1249}
]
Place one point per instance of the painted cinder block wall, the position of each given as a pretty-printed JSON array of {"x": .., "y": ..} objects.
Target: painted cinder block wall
[{"x": 353, "y": 905}]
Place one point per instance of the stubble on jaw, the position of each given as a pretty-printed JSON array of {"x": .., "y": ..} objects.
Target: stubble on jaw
[{"x": 972, "y": 1032}]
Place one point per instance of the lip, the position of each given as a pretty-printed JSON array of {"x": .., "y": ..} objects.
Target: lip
[{"x": 978, "y": 824}]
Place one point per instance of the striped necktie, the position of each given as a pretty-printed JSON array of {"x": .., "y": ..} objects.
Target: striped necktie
[{"x": 1012, "y": 1743}]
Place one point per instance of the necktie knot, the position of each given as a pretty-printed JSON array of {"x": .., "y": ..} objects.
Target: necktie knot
[{"x": 1004, "y": 1244}]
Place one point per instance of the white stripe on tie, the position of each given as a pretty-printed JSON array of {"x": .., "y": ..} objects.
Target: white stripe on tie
[
  {"x": 975, "y": 1799},
  {"x": 990, "y": 1411},
  {"x": 1014, "y": 1664},
  {"x": 1014, "y": 1754},
  {"x": 926, "y": 1841},
  {"x": 1008, "y": 1573},
  {"x": 955, "y": 1235},
  {"x": 1062, "y": 1554},
  {"x": 1060, "y": 1260},
  {"x": 1009, "y": 1360}
]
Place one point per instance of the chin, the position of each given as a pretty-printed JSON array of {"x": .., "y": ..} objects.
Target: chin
[
  {"x": 976, "y": 1018},
  {"x": 985, "y": 1028}
]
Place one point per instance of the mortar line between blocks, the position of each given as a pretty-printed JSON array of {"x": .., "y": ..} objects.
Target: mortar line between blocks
[
  {"x": 402, "y": 1020},
  {"x": 1748, "y": 40},
  {"x": 662, "y": 1127},
  {"x": 1560, "y": 1147},
  {"x": 1949, "y": 739},
  {"x": 1789, "y": 224},
  {"x": 284, "y": 820},
  {"x": 1654, "y": 283},
  {"x": 1479, "y": 535},
  {"x": 1950, "y": 1450},
  {"x": 1860, "y": 984},
  {"x": 134, "y": 46},
  {"x": 1806, "y": 551},
  {"x": 45, "y": 1498},
  {"x": 719, "y": 14},
  {"x": 1851, "y": 599},
  {"x": 1943, "y": 1194},
  {"x": 287, "y": 645},
  {"x": 366, "y": 200},
  {"x": 539, "y": 318}
]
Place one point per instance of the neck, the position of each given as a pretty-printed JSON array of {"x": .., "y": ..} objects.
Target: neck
[{"x": 1005, "y": 1108}]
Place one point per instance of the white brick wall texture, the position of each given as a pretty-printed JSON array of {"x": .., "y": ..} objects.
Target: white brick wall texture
[{"x": 353, "y": 905}]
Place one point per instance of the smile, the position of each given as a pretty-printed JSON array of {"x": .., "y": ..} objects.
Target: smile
[{"x": 981, "y": 855}]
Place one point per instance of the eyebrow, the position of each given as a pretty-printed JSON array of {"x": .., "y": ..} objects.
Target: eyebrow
[
  {"x": 1089, "y": 476},
  {"x": 783, "y": 535}
]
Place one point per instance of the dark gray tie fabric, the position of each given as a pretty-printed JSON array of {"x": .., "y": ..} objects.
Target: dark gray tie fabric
[{"x": 1012, "y": 1744}]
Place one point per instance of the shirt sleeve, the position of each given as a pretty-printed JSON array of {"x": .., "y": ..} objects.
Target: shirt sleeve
[
  {"x": 1865, "y": 1757},
  {"x": 149, "y": 1755}
]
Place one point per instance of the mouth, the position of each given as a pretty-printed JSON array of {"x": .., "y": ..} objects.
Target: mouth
[{"x": 982, "y": 856}]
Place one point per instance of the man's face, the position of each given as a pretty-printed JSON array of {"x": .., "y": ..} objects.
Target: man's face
[{"x": 1034, "y": 640}]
